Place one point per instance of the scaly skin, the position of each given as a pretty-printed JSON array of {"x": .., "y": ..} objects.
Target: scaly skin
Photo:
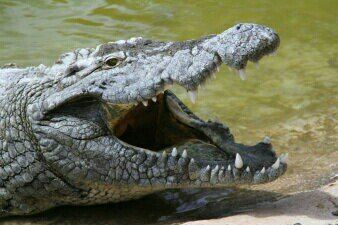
[{"x": 76, "y": 132}]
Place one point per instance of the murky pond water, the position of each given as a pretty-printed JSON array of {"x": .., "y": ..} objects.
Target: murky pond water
[{"x": 292, "y": 97}]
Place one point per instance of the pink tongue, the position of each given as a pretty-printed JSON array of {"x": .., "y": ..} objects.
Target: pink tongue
[{"x": 199, "y": 150}]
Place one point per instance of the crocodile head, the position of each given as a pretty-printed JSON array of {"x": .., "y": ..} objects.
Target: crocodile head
[{"x": 107, "y": 124}]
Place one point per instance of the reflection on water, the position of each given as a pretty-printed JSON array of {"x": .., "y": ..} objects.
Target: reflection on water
[{"x": 292, "y": 97}]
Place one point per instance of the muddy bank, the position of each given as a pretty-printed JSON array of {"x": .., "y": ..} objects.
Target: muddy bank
[{"x": 317, "y": 207}]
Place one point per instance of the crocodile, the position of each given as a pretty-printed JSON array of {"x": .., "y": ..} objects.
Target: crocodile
[{"x": 102, "y": 125}]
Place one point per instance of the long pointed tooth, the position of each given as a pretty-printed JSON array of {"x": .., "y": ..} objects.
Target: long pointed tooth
[
  {"x": 247, "y": 169},
  {"x": 263, "y": 170},
  {"x": 164, "y": 154},
  {"x": 213, "y": 76},
  {"x": 216, "y": 168},
  {"x": 159, "y": 92},
  {"x": 284, "y": 158},
  {"x": 242, "y": 74},
  {"x": 276, "y": 164},
  {"x": 154, "y": 99},
  {"x": 174, "y": 152},
  {"x": 192, "y": 96},
  {"x": 168, "y": 86},
  {"x": 238, "y": 161},
  {"x": 205, "y": 174},
  {"x": 185, "y": 154},
  {"x": 214, "y": 175},
  {"x": 256, "y": 64},
  {"x": 183, "y": 161},
  {"x": 229, "y": 168},
  {"x": 261, "y": 177},
  {"x": 145, "y": 103},
  {"x": 266, "y": 140}
]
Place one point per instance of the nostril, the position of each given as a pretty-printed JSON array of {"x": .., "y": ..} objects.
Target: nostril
[{"x": 238, "y": 26}]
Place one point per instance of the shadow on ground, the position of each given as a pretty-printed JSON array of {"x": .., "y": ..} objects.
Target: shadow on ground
[
  {"x": 173, "y": 206},
  {"x": 162, "y": 208}
]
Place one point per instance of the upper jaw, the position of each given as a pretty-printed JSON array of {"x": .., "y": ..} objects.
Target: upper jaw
[
  {"x": 144, "y": 75},
  {"x": 199, "y": 60}
]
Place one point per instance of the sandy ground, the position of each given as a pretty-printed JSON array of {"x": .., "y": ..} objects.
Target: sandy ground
[{"x": 306, "y": 208}]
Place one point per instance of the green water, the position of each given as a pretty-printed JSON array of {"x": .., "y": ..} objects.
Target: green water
[{"x": 292, "y": 97}]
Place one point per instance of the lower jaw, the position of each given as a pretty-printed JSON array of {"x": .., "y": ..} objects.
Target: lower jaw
[{"x": 194, "y": 160}]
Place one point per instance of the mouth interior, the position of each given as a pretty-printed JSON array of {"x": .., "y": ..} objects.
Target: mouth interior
[
  {"x": 167, "y": 124},
  {"x": 155, "y": 127}
]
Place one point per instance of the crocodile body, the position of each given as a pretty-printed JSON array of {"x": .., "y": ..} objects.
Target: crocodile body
[{"x": 100, "y": 125}]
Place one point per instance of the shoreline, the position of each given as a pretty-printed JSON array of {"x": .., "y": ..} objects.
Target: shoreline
[{"x": 315, "y": 207}]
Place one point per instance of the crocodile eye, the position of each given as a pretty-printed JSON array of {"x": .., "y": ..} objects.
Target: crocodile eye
[{"x": 111, "y": 62}]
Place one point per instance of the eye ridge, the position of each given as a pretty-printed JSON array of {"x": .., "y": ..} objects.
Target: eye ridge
[{"x": 111, "y": 62}]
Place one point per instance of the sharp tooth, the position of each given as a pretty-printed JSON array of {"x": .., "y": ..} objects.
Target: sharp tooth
[
  {"x": 145, "y": 103},
  {"x": 256, "y": 64},
  {"x": 266, "y": 140},
  {"x": 217, "y": 68},
  {"x": 185, "y": 154},
  {"x": 247, "y": 169},
  {"x": 242, "y": 74},
  {"x": 192, "y": 96},
  {"x": 164, "y": 154},
  {"x": 213, "y": 75},
  {"x": 159, "y": 92},
  {"x": 205, "y": 174},
  {"x": 238, "y": 161},
  {"x": 214, "y": 175},
  {"x": 263, "y": 170},
  {"x": 284, "y": 158},
  {"x": 229, "y": 168},
  {"x": 276, "y": 164},
  {"x": 216, "y": 168},
  {"x": 168, "y": 86},
  {"x": 154, "y": 99},
  {"x": 202, "y": 86},
  {"x": 174, "y": 152}
]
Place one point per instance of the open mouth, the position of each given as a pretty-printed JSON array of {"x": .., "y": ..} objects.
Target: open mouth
[
  {"x": 162, "y": 126},
  {"x": 142, "y": 115},
  {"x": 166, "y": 126}
]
